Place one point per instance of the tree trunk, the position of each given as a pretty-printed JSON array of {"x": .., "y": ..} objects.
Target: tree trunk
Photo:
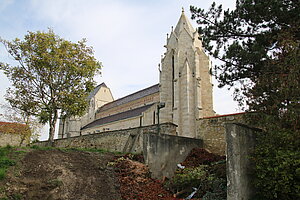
[{"x": 52, "y": 123}]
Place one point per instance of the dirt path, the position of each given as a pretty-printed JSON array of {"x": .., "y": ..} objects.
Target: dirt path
[{"x": 61, "y": 175}]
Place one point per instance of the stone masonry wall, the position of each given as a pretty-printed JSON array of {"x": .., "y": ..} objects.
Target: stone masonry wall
[
  {"x": 116, "y": 125},
  {"x": 130, "y": 105},
  {"x": 212, "y": 131},
  {"x": 127, "y": 140},
  {"x": 10, "y": 139}
]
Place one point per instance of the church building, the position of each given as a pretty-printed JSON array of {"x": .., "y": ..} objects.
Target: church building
[{"x": 183, "y": 95}]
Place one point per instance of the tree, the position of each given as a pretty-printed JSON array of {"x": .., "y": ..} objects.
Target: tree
[
  {"x": 51, "y": 74},
  {"x": 258, "y": 46}
]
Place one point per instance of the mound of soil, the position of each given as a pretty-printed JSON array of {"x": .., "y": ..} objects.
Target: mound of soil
[
  {"x": 135, "y": 182},
  {"x": 67, "y": 175},
  {"x": 199, "y": 156},
  {"x": 61, "y": 175}
]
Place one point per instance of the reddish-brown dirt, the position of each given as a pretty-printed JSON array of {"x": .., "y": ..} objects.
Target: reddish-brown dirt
[
  {"x": 61, "y": 175},
  {"x": 199, "y": 156},
  {"x": 68, "y": 175},
  {"x": 135, "y": 182}
]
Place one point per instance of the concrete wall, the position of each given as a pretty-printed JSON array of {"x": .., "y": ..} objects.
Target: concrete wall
[
  {"x": 240, "y": 144},
  {"x": 163, "y": 152},
  {"x": 212, "y": 131},
  {"x": 126, "y": 140}
]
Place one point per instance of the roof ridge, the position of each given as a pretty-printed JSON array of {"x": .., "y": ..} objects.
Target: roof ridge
[
  {"x": 96, "y": 89},
  {"x": 139, "y": 91},
  {"x": 118, "y": 116},
  {"x": 184, "y": 23},
  {"x": 3, "y": 123}
]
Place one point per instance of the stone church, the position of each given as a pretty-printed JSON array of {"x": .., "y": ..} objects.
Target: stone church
[{"x": 183, "y": 95}]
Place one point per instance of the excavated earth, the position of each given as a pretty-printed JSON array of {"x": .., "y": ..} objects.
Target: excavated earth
[
  {"x": 56, "y": 174},
  {"x": 62, "y": 175}
]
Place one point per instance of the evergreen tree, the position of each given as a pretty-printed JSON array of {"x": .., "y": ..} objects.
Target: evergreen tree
[{"x": 258, "y": 43}]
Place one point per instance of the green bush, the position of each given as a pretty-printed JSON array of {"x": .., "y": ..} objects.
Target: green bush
[
  {"x": 217, "y": 189},
  {"x": 209, "y": 180},
  {"x": 5, "y": 162},
  {"x": 277, "y": 165}
]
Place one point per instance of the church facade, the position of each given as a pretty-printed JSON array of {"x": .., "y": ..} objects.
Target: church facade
[{"x": 183, "y": 95}]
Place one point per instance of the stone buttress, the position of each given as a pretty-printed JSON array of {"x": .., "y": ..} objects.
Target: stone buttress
[{"x": 185, "y": 79}]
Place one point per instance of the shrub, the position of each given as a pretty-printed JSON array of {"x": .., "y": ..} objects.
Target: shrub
[
  {"x": 208, "y": 179},
  {"x": 277, "y": 165}
]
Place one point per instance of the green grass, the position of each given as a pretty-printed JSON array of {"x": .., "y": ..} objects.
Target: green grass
[
  {"x": 5, "y": 162},
  {"x": 41, "y": 148},
  {"x": 16, "y": 197},
  {"x": 76, "y": 149},
  {"x": 92, "y": 150}
]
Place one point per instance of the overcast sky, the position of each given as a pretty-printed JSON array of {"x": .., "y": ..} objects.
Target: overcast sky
[{"x": 127, "y": 36}]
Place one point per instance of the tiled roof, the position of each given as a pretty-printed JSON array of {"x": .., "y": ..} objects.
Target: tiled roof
[
  {"x": 12, "y": 127},
  {"x": 120, "y": 116},
  {"x": 11, "y": 123},
  {"x": 137, "y": 95}
]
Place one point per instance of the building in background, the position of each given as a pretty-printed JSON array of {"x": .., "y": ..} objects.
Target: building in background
[
  {"x": 185, "y": 89},
  {"x": 14, "y": 134}
]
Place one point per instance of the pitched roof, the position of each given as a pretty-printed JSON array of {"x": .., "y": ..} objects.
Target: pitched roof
[
  {"x": 94, "y": 92},
  {"x": 184, "y": 23},
  {"x": 120, "y": 116},
  {"x": 13, "y": 127},
  {"x": 11, "y": 124},
  {"x": 134, "y": 96}
]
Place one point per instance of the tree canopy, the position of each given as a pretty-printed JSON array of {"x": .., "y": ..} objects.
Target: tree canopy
[
  {"x": 258, "y": 44},
  {"x": 51, "y": 74}
]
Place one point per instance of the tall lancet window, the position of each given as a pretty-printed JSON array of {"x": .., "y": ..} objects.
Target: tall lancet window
[{"x": 173, "y": 81}]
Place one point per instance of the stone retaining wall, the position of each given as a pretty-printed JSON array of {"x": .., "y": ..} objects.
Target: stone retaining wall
[
  {"x": 11, "y": 139},
  {"x": 126, "y": 140},
  {"x": 212, "y": 131}
]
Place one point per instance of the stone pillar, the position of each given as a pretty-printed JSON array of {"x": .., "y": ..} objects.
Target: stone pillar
[{"x": 240, "y": 141}]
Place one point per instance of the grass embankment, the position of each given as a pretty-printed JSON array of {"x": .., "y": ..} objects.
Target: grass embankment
[
  {"x": 5, "y": 162},
  {"x": 76, "y": 149},
  {"x": 10, "y": 155}
]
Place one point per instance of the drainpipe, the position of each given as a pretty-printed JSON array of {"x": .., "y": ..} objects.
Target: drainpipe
[{"x": 159, "y": 106}]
